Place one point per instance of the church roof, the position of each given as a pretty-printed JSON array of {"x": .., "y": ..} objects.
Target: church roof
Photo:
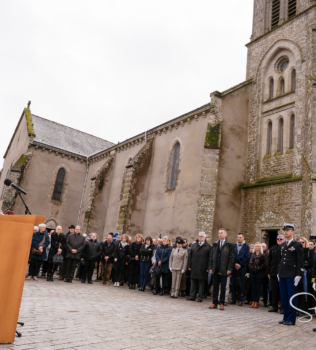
[{"x": 66, "y": 138}]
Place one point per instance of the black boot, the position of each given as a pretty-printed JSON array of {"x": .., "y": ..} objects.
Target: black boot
[
  {"x": 52, "y": 278},
  {"x": 83, "y": 281},
  {"x": 133, "y": 286},
  {"x": 130, "y": 286},
  {"x": 140, "y": 289},
  {"x": 143, "y": 289},
  {"x": 48, "y": 278},
  {"x": 66, "y": 280},
  {"x": 90, "y": 281}
]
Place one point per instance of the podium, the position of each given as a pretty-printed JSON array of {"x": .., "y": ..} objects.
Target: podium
[{"x": 16, "y": 232}]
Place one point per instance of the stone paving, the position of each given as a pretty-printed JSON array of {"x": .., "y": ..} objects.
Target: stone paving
[{"x": 61, "y": 315}]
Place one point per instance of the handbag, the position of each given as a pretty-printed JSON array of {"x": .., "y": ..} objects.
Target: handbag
[
  {"x": 36, "y": 251},
  {"x": 57, "y": 259},
  {"x": 157, "y": 270}
]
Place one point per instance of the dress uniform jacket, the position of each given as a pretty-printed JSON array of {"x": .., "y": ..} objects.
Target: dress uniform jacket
[
  {"x": 274, "y": 259},
  {"x": 178, "y": 259},
  {"x": 292, "y": 260}
]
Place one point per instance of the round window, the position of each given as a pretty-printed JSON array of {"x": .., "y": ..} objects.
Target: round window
[{"x": 283, "y": 64}]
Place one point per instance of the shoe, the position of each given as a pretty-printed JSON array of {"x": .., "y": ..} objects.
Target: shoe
[
  {"x": 69, "y": 281},
  {"x": 222, "y": 307},
  {"x": 140, "y": 289},
  {"x": 107, "y": 283},
  {"x": 225, "y": 304},
  {"x": 90, "y": 282},
  {"x": 43, "y": 274},
  {"x": 52, "y": 278},
  {"x": 151, "y": 288},
  {"x": 83, "y": 281},
  {"x": 35, "y": 278},
  {"x": 60, "y": 278},
  {"x": 213, "y": 306},
  {"x": 281, "y": 312},
  {"x": 121, "y": 284},
  {"x": 200, "y": 300},
  {"x": 143, "y": 289},
  {"x": 314, "y": 329},
  {"x": 192, "y": 299},
  {"x": 287, "y": 323},
  {"x": 161, "y": 293},
  {"x": 251, "y": 304},
  {"x": 28, "y": 277},
  {"x": 233, "y": 302},
  {"x": 273, "y": 310},
  {"x": 48, "y": 278},
  {"x": 265, "y": 305},
  {"x": 133, "y": 286},
  {"x": 154, "y": 293},
  {"x": 130, "y": 286},
  {"x": 281, "y": 322},
  {"x": 183, "y": 293},
  {"x": 171, "y": 296},
  {"x": 66, "y": 280},
  {"x": 117, "y": 284},
  {"x": 255, "y": 306},
  {"x": 239, "y": 303}
]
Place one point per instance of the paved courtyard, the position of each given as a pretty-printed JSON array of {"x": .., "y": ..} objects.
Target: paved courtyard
[{"x": 61, "y": 315}]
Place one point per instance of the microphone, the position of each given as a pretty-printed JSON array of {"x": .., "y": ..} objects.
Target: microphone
[{"x": 8, "y": 182}]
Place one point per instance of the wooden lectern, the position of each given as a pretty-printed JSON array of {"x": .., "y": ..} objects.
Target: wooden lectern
[{"x": 16, "y": 232}]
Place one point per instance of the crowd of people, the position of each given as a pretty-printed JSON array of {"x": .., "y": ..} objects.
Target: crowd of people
[{"x": 251, "y": 273}]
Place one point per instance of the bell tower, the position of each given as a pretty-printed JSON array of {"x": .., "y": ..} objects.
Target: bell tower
[{"x": 281, "y": 159}]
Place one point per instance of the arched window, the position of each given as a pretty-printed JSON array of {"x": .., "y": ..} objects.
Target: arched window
[
  {"x": 271, "y": 88},
  {"x": 59, "y": 184},
  {"x": 281, "y": 86},
  {"x": 292, "y": 131},
  {"x": 280, "y": 135},
  {"x": 174, "y": 166},
  {"x": 275, "y": 16},
  {"x": 293, "y": 80},
  {"x": 291, "y": 10},
  {"x": 269, "y": 138}
]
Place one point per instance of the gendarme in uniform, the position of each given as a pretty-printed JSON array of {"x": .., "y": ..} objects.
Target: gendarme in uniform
[{"x": 290, "y": 272}]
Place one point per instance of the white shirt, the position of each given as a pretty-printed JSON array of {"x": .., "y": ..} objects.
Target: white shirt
[
  {"x": 289, "y": 242},
  {"x": 221, "y": 243},
  {"x": 201, "y": 243}
]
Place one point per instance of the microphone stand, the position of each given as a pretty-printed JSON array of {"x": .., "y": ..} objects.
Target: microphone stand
[{"x": 27, "y": 210}]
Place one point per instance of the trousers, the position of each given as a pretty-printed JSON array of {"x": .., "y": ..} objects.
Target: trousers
[
  {"x": 88, "y": 270},
  {"x": 35, "y": 266},
  {"x": 120, "y": 271},
  {"x": 193, "y": 290},
  {"x": 133, "y": 272},
  {"x": 287, "y": 290},
  {"x": 219, "y": 280},
  {"x": 176, "y": 280},
  {"x": 256, "y": 280},
  {"x": 238, "y": 291},
  {"x": 71, "y": 267},
  {"x": 144, "y": 270},
  {"x": 275, "y": 291}
]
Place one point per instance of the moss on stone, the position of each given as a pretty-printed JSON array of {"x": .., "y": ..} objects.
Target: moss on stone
[
  {"x": 289, "y": 151},
  {"x": 267, "y": 156},
  {"x": 29, "y": 121},
  {"x": 212, "y": 138},
  {"x": 280, "y": 153},
  {"x": 273, "y": 180},
  {"x": 21, "y": 162}
]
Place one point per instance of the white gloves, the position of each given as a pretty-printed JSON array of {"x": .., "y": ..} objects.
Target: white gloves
[
  {"x": 183, "y": 271},
  {"x": 278, "y": 277},
  {"x": 170, "y": 269},
  {"x": 247, "y": 275},
  {"x": 314, "y": 286},
  {"x": 297, "y": 280}
]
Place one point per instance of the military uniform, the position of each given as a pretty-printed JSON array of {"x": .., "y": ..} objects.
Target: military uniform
[
  {"x": 177, "y": 263},
  {"x": 291, "y": 266}
]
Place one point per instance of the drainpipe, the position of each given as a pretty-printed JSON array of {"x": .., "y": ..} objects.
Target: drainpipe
[{"x": 84, "y": 187}]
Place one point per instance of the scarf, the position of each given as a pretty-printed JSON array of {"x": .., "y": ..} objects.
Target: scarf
[
  {"x": 146, "y": 246},
  {"x": 124, "y": 244}
]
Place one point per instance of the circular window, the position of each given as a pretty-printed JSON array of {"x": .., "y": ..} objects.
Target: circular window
[{"x": 282, "y": 64}]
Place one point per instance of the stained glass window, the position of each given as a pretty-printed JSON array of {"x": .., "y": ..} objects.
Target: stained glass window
[{"x": 174, "y": 166}]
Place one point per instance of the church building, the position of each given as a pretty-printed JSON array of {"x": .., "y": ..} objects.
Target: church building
[{"x": 245, "y": 161}]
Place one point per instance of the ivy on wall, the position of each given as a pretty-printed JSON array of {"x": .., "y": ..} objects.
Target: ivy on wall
[{"x": 213, "y": 135}]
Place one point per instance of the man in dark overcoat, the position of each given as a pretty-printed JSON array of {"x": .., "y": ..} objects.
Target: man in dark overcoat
[
  {"x": 199, "y": 260},
  {"x": 222, "y": 263}
]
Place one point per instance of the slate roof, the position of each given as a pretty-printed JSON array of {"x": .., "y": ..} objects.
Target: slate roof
[{"x": 66, "y": 138}]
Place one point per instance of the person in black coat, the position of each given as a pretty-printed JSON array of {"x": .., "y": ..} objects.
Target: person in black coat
[
  {"x": 58, "y": 246},
  {"x": 222, "y": 263},
  {"x": 274, "y": 258},
  {"x": 290, "y": 272},
  {"x": 108, "y": 256},
  {"x": 121, "y": 253},
  {"x": 134, "y": 261},
  {"x": 90, "y": 255},
  {"x": 305, "y": 284},
  {"x": 146, "y": 252},
  {"x": 63, "y": 267},
  {"x": 199, "y": 265}
]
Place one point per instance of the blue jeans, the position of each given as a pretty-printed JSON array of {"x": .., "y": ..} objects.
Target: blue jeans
[
  {"x": 144, "y": 270},
  {"x": 256, "y": 279},
  {"x": 287, "y": 290},
  {"x": 241, "y": 273}
]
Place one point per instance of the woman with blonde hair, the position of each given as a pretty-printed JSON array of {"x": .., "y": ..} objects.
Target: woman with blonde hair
[
  {"x": 134, "y": 261},
  {"x": 305, "y": 284},
  {"x": 257, "y": 265}
]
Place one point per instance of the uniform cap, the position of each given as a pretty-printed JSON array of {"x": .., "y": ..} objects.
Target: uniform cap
[{"x": 288, "y": 227}]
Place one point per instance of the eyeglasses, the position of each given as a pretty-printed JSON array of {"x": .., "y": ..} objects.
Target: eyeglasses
[{"x": 279, "y": 239}]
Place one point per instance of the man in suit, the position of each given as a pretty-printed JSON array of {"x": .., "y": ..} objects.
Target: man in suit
[
  {"x": 290, "y": 272},
  {"x": 242, "y": 255},
  {"x": 274, "y": 258},
  {"x": 222, "y": 263}
]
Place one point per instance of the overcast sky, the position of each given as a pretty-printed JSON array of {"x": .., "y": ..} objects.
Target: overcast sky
[{"x": 117, "y": 68}]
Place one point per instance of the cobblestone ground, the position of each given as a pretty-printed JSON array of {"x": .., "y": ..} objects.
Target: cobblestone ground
[{"x": 61, "y": 315}]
